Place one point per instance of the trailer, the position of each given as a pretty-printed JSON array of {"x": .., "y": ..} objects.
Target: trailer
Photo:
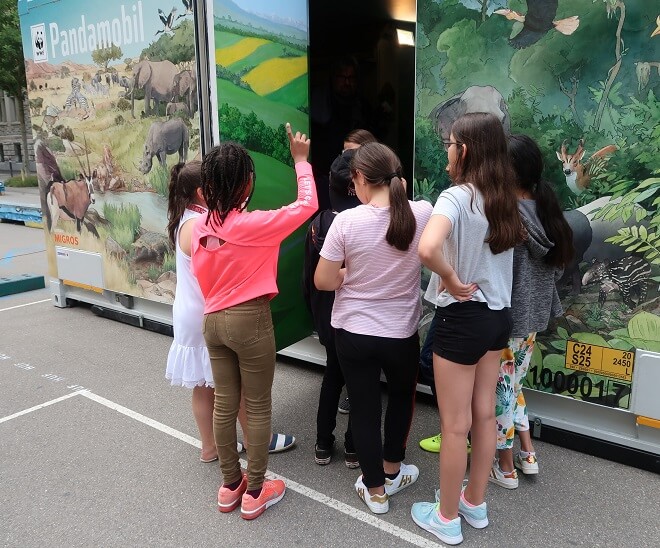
[{"x": 581, "y": 77}]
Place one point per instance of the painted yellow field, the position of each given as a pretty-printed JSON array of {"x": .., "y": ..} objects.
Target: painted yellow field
[
  {"x": 227, "y": 56},
  {"x": 275, "y": 73}
]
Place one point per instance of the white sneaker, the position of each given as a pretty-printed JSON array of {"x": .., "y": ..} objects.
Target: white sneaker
[
  {"x": 508, "y": 480},
  {"x": 408, "y": 474},
  {"x": 528, "y": 465},
  {"x": 378, "y": 504}
]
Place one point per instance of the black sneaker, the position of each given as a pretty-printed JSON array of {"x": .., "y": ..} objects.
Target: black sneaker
[
  {"x": 351, "y": 459},
  {"x": 322, "y": 456},
  {"x": 344, "y": 407}
]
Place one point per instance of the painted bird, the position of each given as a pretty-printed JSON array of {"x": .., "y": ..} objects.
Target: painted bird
[
  {"x": 168, "y": 21},
  {"x": 538, "y": 21},
  {"x": 188, "y": 4},
  {"x": 656, "y": 32}
]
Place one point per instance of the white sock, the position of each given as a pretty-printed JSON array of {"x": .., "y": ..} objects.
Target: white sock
[{"x": 525, "y": 454}]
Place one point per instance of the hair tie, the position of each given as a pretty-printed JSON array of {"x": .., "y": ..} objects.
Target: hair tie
[{"x": 391, "y": 176}]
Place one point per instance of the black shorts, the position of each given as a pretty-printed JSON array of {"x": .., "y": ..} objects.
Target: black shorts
[{"x": 465, "y": 331}]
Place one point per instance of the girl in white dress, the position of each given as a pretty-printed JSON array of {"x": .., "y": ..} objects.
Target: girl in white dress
[{"x": 188, "y": 362}]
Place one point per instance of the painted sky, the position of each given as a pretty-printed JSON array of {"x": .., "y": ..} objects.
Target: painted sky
[
  {"x": 294, "y": 9},
  {"x": 67, "y": 15}
]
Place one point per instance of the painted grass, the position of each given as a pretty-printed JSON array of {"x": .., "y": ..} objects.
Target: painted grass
[
  {"x": 276, "y": 187},
  {"x": 271, "y": 75},
  {"x": 258, "y": 56},
  {"x": 225, "y": 39},
  {"x": 295, "y": 94},
  {"x": 273, "y": 114},
  {"x": 239, "y": 50},
  {"x": 276, "y": 183}
]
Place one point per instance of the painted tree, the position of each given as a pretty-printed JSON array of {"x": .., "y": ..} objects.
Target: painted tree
[
  {"x": 12, "y": 69},
  {"x": 612, "y": 6},
  {"x": 102, "y": 57}
]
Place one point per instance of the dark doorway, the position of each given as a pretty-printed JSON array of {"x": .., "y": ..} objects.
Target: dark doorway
[{"x": 365, "y": 32}]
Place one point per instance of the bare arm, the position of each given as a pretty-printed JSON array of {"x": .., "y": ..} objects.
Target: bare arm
[
  {"x": 431, "y": 253},
  {"x": 185, "y": 236},
  {"x": 329, "y": 275}
]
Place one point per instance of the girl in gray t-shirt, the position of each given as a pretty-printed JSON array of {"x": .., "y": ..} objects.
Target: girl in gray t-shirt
[{"x": 468, "y": 244}]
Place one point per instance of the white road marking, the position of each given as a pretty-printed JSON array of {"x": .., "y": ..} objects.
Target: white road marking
[
  {"x": 26, "y": 304},
  {"x": 141, "y": 418},
  {"x": 37, "y": 407},
  {"x": 342, "y": 507},
  {"x": 350, "y": 511}
]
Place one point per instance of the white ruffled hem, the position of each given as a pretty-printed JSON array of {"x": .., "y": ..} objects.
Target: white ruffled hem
[{"x": 189, "y": 366}]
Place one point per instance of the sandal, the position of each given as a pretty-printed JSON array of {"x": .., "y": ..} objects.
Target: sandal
[{"x": 281, "y": 442}]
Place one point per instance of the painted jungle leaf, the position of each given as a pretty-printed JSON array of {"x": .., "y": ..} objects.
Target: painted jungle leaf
[
  {"x": 537, "y": 356},
  {"x": 559, "y": 345},
  {"x": 590, "y": 338},
  {"x": 644, "y": 326},
  {"x": 562, "y": 333},
  {"x": 621, "y": 344},
  {"x": 554, "y": 362}
]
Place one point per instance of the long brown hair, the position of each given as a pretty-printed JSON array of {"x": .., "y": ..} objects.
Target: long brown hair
[
  {"x": 486, "y": 164},
  {"x": 360, "y": 137},
  {"x": 381, "y": 166},
  {"x": 185, "y": 179},
  {"x": 227, "y": 170},
  {"x": 528, "y": 165}
]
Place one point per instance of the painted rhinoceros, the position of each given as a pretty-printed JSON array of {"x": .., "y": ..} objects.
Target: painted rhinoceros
[{"x": 165, "y": 138}]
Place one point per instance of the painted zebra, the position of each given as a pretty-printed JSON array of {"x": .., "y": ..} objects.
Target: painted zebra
[
  {"x": 627, "y": 275},
  {"x": 76, "y": 98}
]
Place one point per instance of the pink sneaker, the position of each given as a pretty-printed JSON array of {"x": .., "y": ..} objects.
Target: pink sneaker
[
  {"x": 272, "y": 492},
  {"x": 228, "y": 500}
]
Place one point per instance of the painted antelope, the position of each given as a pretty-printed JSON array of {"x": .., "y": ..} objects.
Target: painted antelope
[
  {"x": 578, "y": 176},
  {"x": 627, "y": 275},
  {"x": 69, "y": 198}
]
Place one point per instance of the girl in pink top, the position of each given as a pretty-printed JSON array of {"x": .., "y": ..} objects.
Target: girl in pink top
[
  {"x": 376, "y": 311},
  {"x": 234, "y": 257}
]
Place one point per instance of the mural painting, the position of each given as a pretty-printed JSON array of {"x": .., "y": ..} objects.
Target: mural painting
[
  {"x": 581, "y": 77},
  {"x": 113, "y": 99},
  {"x": 262, "y": 83}
]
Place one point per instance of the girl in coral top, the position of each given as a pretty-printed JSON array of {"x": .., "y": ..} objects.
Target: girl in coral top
[{"x": 234, "y": 257}]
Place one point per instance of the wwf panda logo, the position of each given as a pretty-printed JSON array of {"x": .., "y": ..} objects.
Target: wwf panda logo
[
  {"x": 39, "y": 40},
  {"x": 39, "y": 45}
]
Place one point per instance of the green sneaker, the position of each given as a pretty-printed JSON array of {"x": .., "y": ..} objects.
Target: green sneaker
[{"x": 432, "y": 444}]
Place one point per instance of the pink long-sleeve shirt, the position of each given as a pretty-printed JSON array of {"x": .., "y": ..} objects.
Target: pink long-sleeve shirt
[{"x": 244, "y": 267}]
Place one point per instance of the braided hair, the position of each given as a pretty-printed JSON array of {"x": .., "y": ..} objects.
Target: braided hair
[{"x": 227, "y": 170}]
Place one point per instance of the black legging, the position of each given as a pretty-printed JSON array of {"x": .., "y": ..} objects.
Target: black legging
[
  {"x": 331, "y": 387},
  {"x": 362, "y": 358}
]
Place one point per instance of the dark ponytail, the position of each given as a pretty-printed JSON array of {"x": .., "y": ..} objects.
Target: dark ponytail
[
  {"x": 555, "y": 225},
  {"x": 403, "y": 224},
  {"x": 184, "y": 182},
  {"x": 528, "y": 164},
  {"x": 380, "y": 165}
]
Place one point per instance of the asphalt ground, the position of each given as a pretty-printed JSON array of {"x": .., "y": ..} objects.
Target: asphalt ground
[{"x": 97, "y": 449}]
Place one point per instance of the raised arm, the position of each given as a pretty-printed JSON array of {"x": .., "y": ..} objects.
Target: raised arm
[{"x": 271, "y": 227}]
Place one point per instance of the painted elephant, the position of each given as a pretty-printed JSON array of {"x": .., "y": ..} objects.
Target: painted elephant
[
  {"x": 165, "y": 138},
  {"x": 473, "y": 99},
  {"x": 157, "y": 80},
  {"x": 185, "y": 87}
]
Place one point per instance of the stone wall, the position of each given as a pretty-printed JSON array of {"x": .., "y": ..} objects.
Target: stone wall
[{"x": 10, "y": 134}]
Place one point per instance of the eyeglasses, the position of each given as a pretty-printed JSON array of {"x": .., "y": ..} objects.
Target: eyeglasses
[{"x": 447, "y": 144}]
